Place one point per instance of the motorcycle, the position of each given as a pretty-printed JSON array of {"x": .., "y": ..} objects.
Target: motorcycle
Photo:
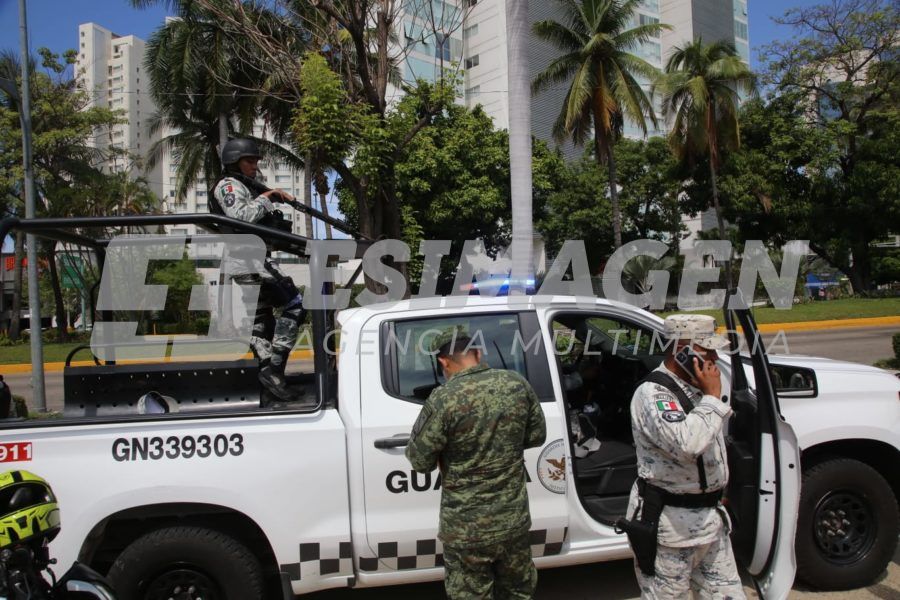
[
  {"x": 24, "y": 572},
  {"x": 29, "y": 520}
]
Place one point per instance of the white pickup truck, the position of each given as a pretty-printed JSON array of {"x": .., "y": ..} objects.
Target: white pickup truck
[
  {"x": 232, "y": 501},
  {"x": 218, "y": 498}
]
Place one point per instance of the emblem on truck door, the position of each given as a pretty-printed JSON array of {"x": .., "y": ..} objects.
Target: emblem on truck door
[{"x": 551, "y": 467}]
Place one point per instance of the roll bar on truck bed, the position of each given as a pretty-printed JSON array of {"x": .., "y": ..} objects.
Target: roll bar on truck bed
[{"x": 93, "y": 233}]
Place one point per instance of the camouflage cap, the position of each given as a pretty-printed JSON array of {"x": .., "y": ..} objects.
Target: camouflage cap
[
  {"x": 447, "y": 335},
  {"x": 700, "y": 329}
]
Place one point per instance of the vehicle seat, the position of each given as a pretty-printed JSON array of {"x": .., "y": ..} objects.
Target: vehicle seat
[{"x": 609, "y": 470}]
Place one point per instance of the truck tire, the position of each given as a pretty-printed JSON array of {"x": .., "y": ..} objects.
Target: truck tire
[
  {"x": 847, "y": 526},
  {"x": 187, "y": 563}
]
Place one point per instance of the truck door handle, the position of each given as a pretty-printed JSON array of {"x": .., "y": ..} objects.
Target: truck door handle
[{"x": 398, "y": 441}]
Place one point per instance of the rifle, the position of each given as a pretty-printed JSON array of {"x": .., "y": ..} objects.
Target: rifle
[{"x": 260, "y": 188}]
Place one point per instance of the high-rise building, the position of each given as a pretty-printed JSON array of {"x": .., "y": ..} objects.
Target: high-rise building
[
  {"x": 484, "y": 52},
  {"x": 432, "y": 39},
  {"x": 110, "y": 68}
]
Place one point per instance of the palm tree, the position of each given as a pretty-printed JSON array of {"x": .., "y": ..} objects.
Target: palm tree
[
  {"x": 196, "y": 80},
  {"x": 638, "y": 270},
  {"x": 700, "y": 95},
  {"x": 597, "y": 41}
]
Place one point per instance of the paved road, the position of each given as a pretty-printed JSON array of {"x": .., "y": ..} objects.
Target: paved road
[
  {"x": 609, "y": 581},
  {"x": 857, "y": 344}
]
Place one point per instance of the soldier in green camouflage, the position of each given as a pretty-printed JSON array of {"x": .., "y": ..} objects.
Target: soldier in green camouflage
[{"x": 475, "y": 428}]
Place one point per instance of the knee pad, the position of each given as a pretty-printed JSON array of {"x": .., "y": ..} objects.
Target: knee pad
[
  {"x": 295, "y": 304},
  {"x": 264, "y": 324}
]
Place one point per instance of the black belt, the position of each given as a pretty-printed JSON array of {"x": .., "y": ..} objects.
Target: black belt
[{"x": 707, "y": 500}]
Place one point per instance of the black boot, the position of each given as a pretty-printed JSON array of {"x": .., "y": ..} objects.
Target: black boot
[{"x": 274, "y": 383}]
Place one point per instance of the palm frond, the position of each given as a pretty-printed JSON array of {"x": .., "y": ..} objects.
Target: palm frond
[
  {"x": 639, "y": 34},
  {"x": 559, "y": 35},
  {"x": 558, "y": 71}
]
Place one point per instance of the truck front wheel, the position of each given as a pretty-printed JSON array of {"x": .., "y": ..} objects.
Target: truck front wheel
[
  {"x": 847, "y": 527},
  {"x": 187, "y": 563}
]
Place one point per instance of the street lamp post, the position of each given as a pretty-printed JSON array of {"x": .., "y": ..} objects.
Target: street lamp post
[
  {"x": 517, "y": 32},
  {"x": 34, "y": 302}
]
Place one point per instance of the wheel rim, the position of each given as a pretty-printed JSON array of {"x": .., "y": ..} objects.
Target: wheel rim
[
  {"x": 844, "y": 526},
  {"x": 184, "y": 583}
]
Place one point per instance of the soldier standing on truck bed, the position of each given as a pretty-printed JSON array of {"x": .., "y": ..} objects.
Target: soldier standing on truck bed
[
  {"x": 475, "y": 427},
  {"x": 678, "y": 528},
  {"x": 279, "y": 307}
]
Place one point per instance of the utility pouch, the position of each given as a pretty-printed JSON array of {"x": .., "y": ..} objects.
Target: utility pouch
[{"x": 276, "y": 220}]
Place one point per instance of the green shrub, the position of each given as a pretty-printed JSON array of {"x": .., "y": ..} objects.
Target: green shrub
[
  {"x": 896, "y": 342},
  {"x": 355, "y": 291},
  {"x": 20, "y": 409},
  {"x": 6, "y": 342},
  {"x": 45, "y": 415}
]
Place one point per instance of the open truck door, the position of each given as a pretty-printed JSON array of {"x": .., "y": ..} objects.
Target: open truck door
[{"x": 763, "y": 491}]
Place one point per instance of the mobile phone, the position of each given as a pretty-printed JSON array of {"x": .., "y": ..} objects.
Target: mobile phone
[{"x": 685, "y": 357}]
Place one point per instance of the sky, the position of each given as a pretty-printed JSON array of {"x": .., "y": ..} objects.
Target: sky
[{"x": 54, "y": 23}]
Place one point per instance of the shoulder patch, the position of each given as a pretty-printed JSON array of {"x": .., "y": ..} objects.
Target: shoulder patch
[
  {"x": 667, "y": 404},
  {"x": 424, "y": 415},
  {"x": 229, "y": 189},
  {"x": 673, "y": 416},
  {"x": 229, "y": 198}
]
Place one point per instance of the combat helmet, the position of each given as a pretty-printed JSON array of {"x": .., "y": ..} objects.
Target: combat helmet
[{"x": 237, "y": 149}]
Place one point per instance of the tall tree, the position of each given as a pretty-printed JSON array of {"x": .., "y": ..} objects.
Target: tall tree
[
  {"x": 604, "y": 78},
  {"x": 843, "y": 70},
  {"x": 10, "y": 69},
  {"x": 63, "y": 129},
  {"x": 786, "y": 183},
  {"x": 361, "y": 41},
  {"x": 700, "y": 96},
  {"x": 573, "y": 212},
  {"x": 651, "y": 188},
  {"x": 198, "y": 82},
  {"x": 449, "y": 192}
]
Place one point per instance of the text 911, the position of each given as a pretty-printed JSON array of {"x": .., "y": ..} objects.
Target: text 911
[{"x": 15, "y": 452}]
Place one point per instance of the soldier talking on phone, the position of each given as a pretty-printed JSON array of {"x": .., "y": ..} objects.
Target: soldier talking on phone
[{"x": 677, "y": 526}]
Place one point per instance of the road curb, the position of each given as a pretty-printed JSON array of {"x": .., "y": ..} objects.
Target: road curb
[
  {"x": 58, "y": 366},
  {"x": 829, "y": 324}
]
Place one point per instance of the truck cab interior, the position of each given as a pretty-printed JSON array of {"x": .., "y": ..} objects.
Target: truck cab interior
[{"x": 601, "y": 361}]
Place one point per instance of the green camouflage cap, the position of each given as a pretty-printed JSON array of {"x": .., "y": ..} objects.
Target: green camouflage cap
[{"x": 447, "y": 335}]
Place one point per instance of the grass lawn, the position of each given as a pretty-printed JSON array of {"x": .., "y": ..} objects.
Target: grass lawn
[
  {"x": 850, "y": 308},
  {"x": 13, "y": 355}
]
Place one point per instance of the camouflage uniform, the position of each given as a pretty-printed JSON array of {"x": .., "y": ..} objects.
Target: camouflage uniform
[
  {"x": 694, "y": 549},
  {"x": 273, "y": 336},
  {"x": 475, "y": 428}
]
